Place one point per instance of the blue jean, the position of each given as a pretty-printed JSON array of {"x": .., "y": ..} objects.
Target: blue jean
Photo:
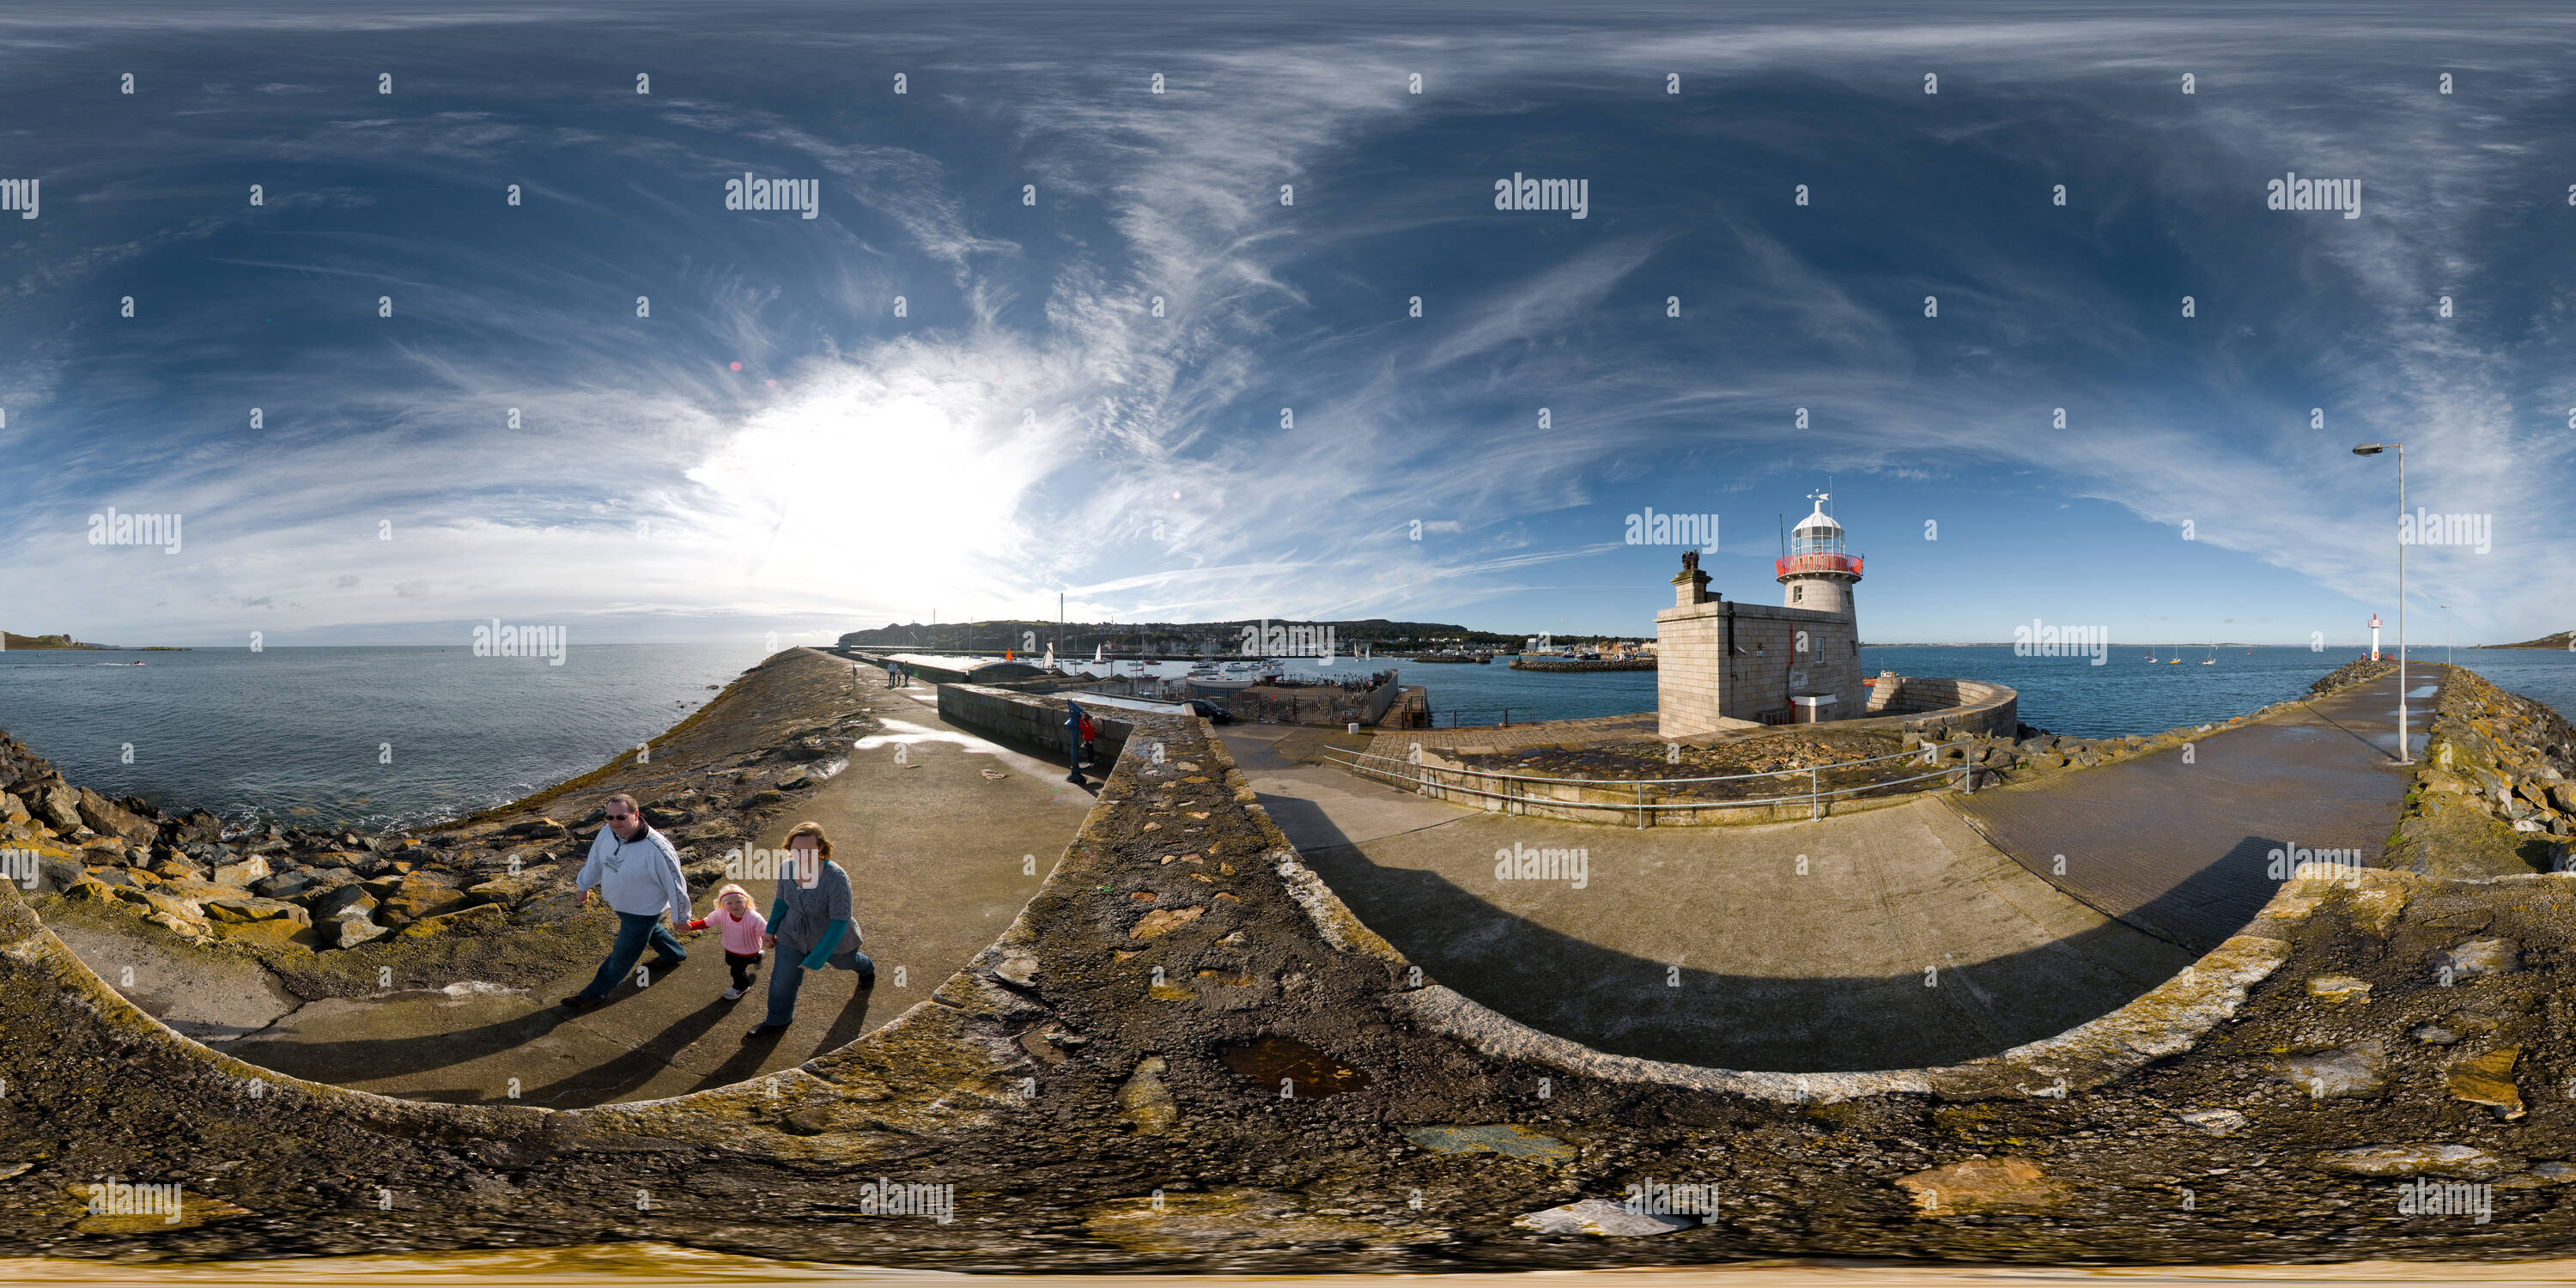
[
  {"x": 787, "y": 974},
  {"x": 634, "y": 930}
]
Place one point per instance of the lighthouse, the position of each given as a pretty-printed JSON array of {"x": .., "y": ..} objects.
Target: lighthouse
[
  {"x": 1725, "y": 665},
  {"x": 1817, "y": 574},
  {"x": 2374, "y": 637}
]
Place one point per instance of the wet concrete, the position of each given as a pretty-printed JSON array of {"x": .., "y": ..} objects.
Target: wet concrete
[
  {"x": 2180, "y": 848},
  {"x": 943, "y": 849}
]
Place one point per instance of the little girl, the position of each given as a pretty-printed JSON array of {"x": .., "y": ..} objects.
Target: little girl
[{"x": 742, "y": 930}]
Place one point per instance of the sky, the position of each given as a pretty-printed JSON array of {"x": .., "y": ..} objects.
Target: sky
[{"x": 1191, "y": 316}]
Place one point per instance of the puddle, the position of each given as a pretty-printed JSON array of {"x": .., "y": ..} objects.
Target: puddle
[
  {"x": 1305, "y": 1070},
  {"x": 2424, "y": 691}
]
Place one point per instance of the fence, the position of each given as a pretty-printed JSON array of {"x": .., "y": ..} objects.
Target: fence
[
  {"x": 1470, "y": 719},
  {"x": 1517, "y": 796}
]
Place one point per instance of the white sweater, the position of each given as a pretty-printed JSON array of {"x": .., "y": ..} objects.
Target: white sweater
[{"x": 641, "y": 876}]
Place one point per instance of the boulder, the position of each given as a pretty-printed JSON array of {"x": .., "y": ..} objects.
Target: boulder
[
  {"x": 1143, "y": 1100},
  {"x": 508, "y": 890},
  {"x": 2360, "y": 1069},
  {"x": 350, "y": 929},
  {"x": 108, "y": 818},
  {"x": 464, "y": 921},
  {"x": 241, "y": 908},
  {"x": 301, "y": 883},
  {"x": 243, "y": 873},
  {"x": 195, "y": 827},
  {"x": 89, "y": 889},
  {"x": 12, "y": 809},
  {"x": 181, "y": 915},
  {"x": 340, "y": 901},
  {"x": 2409, "y": 1160},
  {"x": 1983, "y": 1185},
  {"x": 2478, "y": 957},
  {"x": 55, "y": 804},
  {"x": 1601, "y": 1218},
  {"x": 2487, "y": 1079},
  {"x": 414, "y": 897}
]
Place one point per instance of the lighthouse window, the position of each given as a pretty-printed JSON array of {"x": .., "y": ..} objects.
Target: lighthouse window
[{"x": 1797, "y": 594}]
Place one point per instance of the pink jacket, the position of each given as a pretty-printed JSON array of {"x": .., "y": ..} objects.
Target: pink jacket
[{"x": 741, "y": 938}]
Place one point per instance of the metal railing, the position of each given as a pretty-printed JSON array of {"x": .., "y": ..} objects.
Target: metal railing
[
  {"x": 1816, "y": 794},
  {"x": 1471, "y": 719}
]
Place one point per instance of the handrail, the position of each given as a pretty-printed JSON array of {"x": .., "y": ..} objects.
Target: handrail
[
  {"x": 1814, "y": 796},
  {"x": 1650, "y": 782}
]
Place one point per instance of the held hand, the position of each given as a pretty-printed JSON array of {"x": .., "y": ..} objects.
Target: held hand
[
  {"x": 584, "y": 901},
  {"x": 769, "y": 941}
]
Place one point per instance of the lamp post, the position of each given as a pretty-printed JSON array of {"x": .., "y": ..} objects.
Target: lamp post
[
  {"x": 2405, "y": 746},
  {"x": 2450, "y": 632}
]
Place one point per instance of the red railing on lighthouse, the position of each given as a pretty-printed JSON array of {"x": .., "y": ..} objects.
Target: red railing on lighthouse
[{"x": 1848, "y": 565}]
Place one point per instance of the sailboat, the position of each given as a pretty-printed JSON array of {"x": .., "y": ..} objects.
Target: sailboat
[
  {"x": 1095, "y": 654},
  {"x": 2151, "y": 655},
  {"x": 2212, "y": 659}
]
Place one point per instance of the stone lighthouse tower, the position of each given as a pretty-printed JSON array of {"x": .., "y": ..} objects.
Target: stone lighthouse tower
[
  {"x": 1818, "y": 574},
  {"x": 1723, "y": 664}
]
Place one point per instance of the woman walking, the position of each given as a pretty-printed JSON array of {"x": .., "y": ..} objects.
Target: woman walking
[{"x": 809, "y": 925}]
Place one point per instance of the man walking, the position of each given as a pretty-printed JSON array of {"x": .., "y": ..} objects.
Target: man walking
[{"x": 638, "y": 872}]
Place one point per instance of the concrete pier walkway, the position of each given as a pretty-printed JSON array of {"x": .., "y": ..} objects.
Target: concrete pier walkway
[
  {"x": 1922, "y": 934},
  {"x": 939, "y": 848},
  {"x": 2181, "y": 849}
]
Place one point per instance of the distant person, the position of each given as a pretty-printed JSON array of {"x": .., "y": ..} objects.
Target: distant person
[
  {"x": 638, "y": 872},
  {"x": 1090, "y": 736},
  {"x": 808, "y": 924},
  {"x": 894, "y": 670},
  {"x": 741, "y": 929}
]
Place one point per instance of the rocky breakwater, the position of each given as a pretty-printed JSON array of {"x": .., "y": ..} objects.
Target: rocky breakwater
[
  {"x": 2496, "y": 793},
  {"x": 490, "y": 897}
]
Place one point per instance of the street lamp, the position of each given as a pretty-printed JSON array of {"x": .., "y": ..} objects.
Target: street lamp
[{"x": 2405, "y": 746}]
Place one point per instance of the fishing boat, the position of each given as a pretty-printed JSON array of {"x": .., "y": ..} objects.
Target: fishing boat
[{"x": 1233, "y": 677}]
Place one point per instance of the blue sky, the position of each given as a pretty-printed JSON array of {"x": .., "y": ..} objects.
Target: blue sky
[{"x": 1031, "y": 427}]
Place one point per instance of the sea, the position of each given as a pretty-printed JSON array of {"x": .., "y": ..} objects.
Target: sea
[
  {"x": 378, "y": 737},
  {"x": 395, "y": 737}
]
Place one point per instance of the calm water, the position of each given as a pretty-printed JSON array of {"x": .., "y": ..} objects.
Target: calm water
[
  {"x": 2124, "y": 695},
  {"x": 299, "y": 734}
]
